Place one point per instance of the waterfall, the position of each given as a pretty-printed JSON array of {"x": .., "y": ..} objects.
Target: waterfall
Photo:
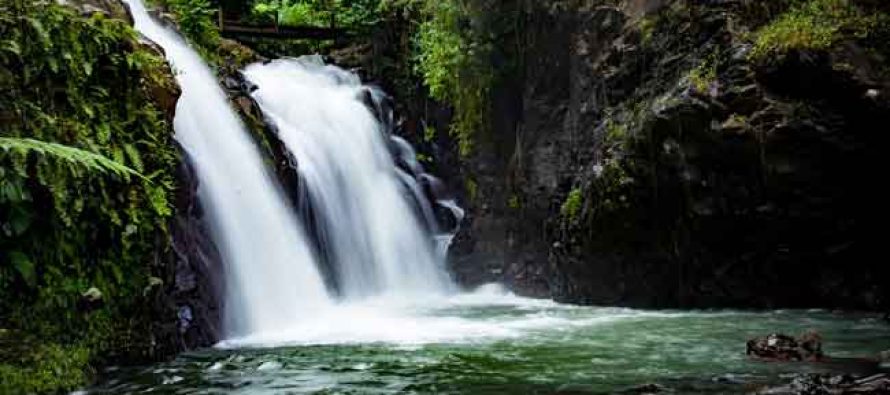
[
  {"x": 272, "y": 280},
  {"x": 373, "y": 219},
  {"x": 367, "y": 212}
]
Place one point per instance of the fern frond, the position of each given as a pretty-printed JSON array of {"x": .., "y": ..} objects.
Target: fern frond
[{"x": 76, "y": 156}]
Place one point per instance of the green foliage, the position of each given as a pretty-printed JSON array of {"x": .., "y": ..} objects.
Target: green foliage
[
  {"x": 197, "y": 22},
  {"x": 48, "y": 368},
  {"x": 451, "y": 46},
  {"x": 703, "y": 77},
  {"x": 472, "y": 189},
  {"x": 429, "y": 133},
  {"x": 613, "y": 181},
  {"x": 73, "y": 156},
  {"x": 303, "y": 14},
  {"x": 571, "y": 207},
  {"x": 647, "y": 26},
  {"x": 514, "y": 202},
  {"x": 77, "y": 123},
  {"x": 454, "y": 63},
  {"x": 812, "y": 25},
  {"x": 616, "y": 132},
  {"x": 423, "y": 158},
  {"x": 351, "y": 14}
]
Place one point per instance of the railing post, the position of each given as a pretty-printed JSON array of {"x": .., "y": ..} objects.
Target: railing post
[{"x": 332, "y": 9}]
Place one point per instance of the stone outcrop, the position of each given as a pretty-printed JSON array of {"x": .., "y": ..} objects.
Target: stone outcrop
[
  {"x": 187, "y": 300},
  {"x": 196, "y": 290}
]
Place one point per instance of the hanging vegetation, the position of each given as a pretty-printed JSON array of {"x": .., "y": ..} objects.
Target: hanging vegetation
[{"x": 87, "y": 167}]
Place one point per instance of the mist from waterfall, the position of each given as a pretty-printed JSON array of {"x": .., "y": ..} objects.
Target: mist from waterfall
[{"x": 271, "y": 278}]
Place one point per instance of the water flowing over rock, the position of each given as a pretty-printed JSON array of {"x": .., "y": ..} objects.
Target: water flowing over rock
[
  {"x": 359, "y": 192},
  {"x": 262, "y": 246},
  {"x": 363, "y": 218}
]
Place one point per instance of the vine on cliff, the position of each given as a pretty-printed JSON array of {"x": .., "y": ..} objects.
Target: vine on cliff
[{"x": 453, "y": 59}]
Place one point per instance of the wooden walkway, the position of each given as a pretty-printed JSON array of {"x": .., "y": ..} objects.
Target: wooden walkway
[{"x": 235, "y": 29}]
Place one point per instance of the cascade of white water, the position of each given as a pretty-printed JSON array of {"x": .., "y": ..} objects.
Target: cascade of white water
[
  {"x": 378, "y": 242},
  {"x": 272, "y": 281}
]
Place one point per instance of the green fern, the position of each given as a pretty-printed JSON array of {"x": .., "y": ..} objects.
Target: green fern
[{"x": 76, "y": 156}]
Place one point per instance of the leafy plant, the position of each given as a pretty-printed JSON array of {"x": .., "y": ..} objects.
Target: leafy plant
[
  {"x": 453, "y": 62},
  {"x": 87, "y": 167},
  {"x": 197, "y": 22},
  {"x": 647, "y": 25},
  {"x": 571, "y": 207},
  {"x": 703, "y": 77},
  {"x": 71, "y": 155},
  {"x": 472, "y": 189},
  {"x": 354, "y": 15},
  {"x": 513, "y": 202}
]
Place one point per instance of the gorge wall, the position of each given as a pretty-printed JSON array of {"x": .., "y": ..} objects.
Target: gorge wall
[{"x": 667, "y": 154}]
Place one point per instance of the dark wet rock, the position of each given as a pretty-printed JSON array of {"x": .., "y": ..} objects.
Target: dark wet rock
[
  {"x": 830, "y": 385},
  {"x": 162, "y": 88},
  {"x": 808, "y": 347},
  {"x": 236, "y": 56},
  {"x": 115, "y": 9},
  {"x": 194, "y": 298},
  {"x": 711, "y": 198}
]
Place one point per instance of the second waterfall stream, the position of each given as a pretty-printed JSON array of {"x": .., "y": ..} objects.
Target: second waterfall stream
[{"x": 367, "y": 225}]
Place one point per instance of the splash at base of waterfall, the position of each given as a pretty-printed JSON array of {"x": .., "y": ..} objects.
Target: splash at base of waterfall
[{"x": 418, "y": 320}]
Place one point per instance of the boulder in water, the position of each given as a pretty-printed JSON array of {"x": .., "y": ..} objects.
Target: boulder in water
[{"x": 776, "y": 346}]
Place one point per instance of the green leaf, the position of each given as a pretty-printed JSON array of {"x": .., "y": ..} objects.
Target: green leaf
[
  {"x": 134, "y": 157},
  {"x": 75, "y": 156},
  {"x": 24, "y": 266},
  {"x": 42, "y": 34},
  {"x": 11, "y": 46},
  {"x": 19, "y": 220}
]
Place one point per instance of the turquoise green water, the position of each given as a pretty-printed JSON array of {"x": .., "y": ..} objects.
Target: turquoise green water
[{"x": 511, "y": 346}]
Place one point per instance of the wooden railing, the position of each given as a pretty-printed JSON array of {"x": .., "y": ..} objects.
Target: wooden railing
[{"x": 236, "y": 29}]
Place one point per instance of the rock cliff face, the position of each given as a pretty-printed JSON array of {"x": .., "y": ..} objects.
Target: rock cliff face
[
  {"x": 196, "y": 293},
  {"x": 644, "y": 156},
  {"x": 187, "y": 301}
]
